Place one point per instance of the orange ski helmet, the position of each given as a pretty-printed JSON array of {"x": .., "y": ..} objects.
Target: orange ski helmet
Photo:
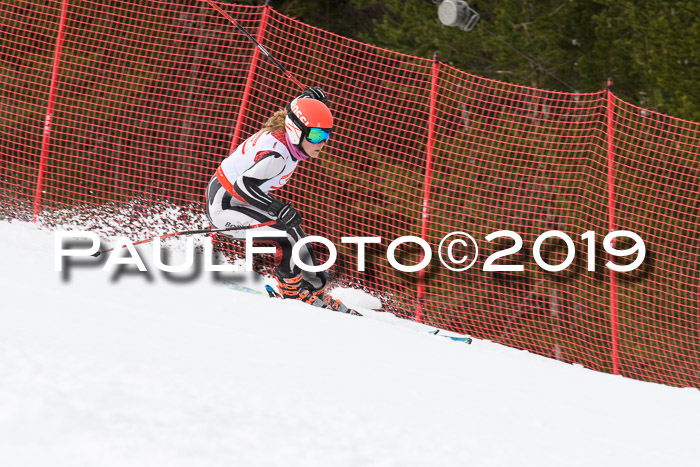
[{"x": 308, "y": 119}]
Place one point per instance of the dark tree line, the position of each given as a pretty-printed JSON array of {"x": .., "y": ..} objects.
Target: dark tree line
[{"x": 651, "y": 48}]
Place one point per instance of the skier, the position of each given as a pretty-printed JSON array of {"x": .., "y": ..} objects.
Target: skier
[{"x": 239, "y": 193}]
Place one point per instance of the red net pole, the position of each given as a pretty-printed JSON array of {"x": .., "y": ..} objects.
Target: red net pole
[
  {"x": 427, "y": 182},
  {"x": 611, "y": 224},
  {"x": 250, "y": 78},
  {"x": 49, "y": 110}
]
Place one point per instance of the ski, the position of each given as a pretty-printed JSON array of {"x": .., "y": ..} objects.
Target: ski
[
  {"x": 272, "y": 293},
  {"x": 243, "y": 288},
  {"x": 465, "y": 339}
]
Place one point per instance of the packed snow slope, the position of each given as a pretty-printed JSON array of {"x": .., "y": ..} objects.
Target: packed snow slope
[{"x": 98, "y": 369}]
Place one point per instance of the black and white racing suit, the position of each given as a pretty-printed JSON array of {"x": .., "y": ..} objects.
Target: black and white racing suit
[{"x": 239, "y": 194}]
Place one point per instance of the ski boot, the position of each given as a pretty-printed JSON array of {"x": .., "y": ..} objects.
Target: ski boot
[
  {"x": 317, "y": 297},
  {"x": 288, "y": 283},
  {"x": 292, "y": 286}
]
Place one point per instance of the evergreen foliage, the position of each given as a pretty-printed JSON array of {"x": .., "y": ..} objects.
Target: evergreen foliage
[{"x": 650, "y": 48}]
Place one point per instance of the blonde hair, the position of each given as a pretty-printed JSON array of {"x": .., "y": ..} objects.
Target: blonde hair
[{"x": 276, "y": 122}]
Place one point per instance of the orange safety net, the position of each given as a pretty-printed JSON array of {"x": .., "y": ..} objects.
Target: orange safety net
[{"x": 147, "y": 97}]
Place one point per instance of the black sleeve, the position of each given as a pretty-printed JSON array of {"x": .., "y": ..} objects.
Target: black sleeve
[{"x": 247, "y": 186}]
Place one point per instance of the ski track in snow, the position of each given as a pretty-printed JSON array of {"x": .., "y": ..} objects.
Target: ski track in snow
[{"x": 99, "y": 370}]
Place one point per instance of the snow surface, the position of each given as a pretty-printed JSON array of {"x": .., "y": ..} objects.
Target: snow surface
[{"x": 105, "y": 369}]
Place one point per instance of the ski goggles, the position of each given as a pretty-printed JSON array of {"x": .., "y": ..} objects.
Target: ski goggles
[{"x": 318, "y": 135}]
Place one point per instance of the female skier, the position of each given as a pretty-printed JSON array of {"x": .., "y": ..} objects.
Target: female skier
[{"x": 239, "y": 193}]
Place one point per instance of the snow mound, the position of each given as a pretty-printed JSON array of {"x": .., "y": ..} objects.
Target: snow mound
[{"x": 135, "y": 369}]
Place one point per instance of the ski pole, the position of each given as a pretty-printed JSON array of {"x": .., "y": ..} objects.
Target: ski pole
[
  {"x": 267, "y": 53},
  {"x": 193, "y": 232}
]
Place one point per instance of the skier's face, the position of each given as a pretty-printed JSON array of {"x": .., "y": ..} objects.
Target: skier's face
[{"x": 312, "y": 149}]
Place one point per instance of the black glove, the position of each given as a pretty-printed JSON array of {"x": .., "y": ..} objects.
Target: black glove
[
  {"x": 286, "y": 215},
  {"x": 315, "y": 93}
]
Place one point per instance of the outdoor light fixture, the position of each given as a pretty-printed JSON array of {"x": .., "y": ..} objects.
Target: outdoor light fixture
[{"x": 458, "y": 13}]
